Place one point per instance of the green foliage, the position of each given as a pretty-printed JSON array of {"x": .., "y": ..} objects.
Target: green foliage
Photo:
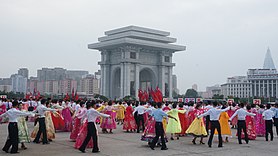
[
  {"x": 101, "y": 97},
  {"x": 191, "y": 93},
  {"x": 217, "y": 96},
  {"x": 129, "y": 98},
  {"x": 11, "y": 95}
]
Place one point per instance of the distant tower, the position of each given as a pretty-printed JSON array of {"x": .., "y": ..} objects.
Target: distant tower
[
  {"x": 195, "y": 87},
  {"x": 268, "y": 61}
]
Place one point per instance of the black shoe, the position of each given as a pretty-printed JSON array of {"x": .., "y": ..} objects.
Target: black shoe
[
  {"x": 14, "y": 152},
  {"x": 95, "y": 151},
  {"x": 152, "y": 147},
  {"x": 138, "y": 132},
  {"x": 240, "y": 143},
  {"x": 45, "y": 143},
  {"x": 164, "y": 148},
  {"x": 202, "y": 143},
  {"x": 209, "y": 146},
  {"x": 7, "y": 151},
  {"x": 193, "y": 141},
  {"x": 172, "y": 138},
  {"x": 83, "y": 151},
  {"x": 220, "y": 146},
  {"x": 36, "y": 142}
]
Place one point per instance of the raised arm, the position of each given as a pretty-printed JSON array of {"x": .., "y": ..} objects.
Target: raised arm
[
  {"x": 205, "y": 114},
  {"x": 226, "y": 109},
  {"x": 231, "y": 118}
]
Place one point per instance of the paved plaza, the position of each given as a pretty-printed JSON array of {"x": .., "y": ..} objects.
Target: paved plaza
[{"x": 128, "y": 144}]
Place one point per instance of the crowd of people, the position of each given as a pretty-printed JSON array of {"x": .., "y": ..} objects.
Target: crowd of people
[{"x": 158, "y": 122}]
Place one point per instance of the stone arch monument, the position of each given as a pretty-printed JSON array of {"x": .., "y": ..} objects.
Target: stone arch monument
[{"x": 135, "y": 57}]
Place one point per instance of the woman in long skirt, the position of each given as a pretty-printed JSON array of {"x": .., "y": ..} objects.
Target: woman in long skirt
[
  {"x": 183, "y": 121},
  {"x": 66, "y": 113},
  {"x": 109, "y": 123},
  {"x": 82, "y": 135},
  {"x": 197, "y": 128},
  {"x": 260, "y": 124},
  {"x": 77, "y": 121},
  {"x": 250, "y": 126},
  {"x": 129, "y": 122},
  {"x": 23, "y": 132},
  {"x": 174, "y": 126},
  {"x": 224, "y": 125}
]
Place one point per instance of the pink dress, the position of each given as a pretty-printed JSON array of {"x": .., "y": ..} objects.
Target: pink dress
[
  {"x": 2, "y": 111},
  {"x": 260, "y": 123},
  {"x": 233, "y": 110},
  {"x": 82, "y": 135},
  {"x": 109, "y": 123},
  {"x": 68, "y": 119},
  {"x": 77, "y": 123}
]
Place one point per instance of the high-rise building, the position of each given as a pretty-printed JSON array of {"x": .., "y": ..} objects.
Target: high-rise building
[
  {"x": 268, "y": 61},
  {"x": 23, "y": 72},
  {"x": 77, "y": 76},
  {"x": 175, "y": 84},
  {"x": 52, "y": 87},
  {"x": 67, "y": 86},
  {"x": 213, "y": 90},
  {"x": 90, "y": 85},
  {"x": 6, "y": 84},
  {"x": 47, "y": 74},
  {"x": 237, "y": 86},
  {"x": 19, "y": 83}
]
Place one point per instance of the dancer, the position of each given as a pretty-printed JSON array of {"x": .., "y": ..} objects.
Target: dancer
[
  {"x": 224, "y": 125},
  {"x": 250, "y": 125},
  {"x": 197, "y": 127},
  {"x": 208, "y": 107},
  {"x": 183, "y": 120},
  {"x": 214, "y": 120},
  {"x": 129, "y": 122},
  {"x": 276, "y": 118},
  {"x": 120, "y": 113},
  {"x": 268, "y": 115},
  {"x": 139, "y": 111},
  {"x": 241, "y": 124},
  {"x": 260, "y": 123},
  {"x": 41, "y": 109},
  {"x": 66, "y": 113},
  {"x": 79, "y": 115},
  {"x": 158, "y": 115},
  {"x": 23, "y": 132},
  {"x": 174, "y": 125},
  {"x": 12, "y": 140},
  {"x": 109, "y": 123},
  {"x": 92, "y": 114}
]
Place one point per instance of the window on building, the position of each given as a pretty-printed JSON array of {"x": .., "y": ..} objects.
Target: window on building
[
  {"x": 166, "y": 59},
  {"x": 133, "y": 55}
]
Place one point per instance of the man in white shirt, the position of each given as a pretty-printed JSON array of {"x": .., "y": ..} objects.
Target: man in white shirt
[
  {"x": 41, "y": 109},
  {"x": 268, "y": 117},
  {"x": 208, "y": 107},
  {"x": 12, "y": 140},
  {"x": 140, "y": 110},
  {"x": 214, "y": 114},
  {"x": 92, "y": 115},
  {"x": 241, "y": 125}
]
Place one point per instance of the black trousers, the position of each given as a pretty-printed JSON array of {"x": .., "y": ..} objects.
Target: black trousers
[
  {"x": 91, "y": 133},
  {"x": 140, "y": 119},
  {"x": 42, "y": 130},
  {"x": 268, "y": 129},
  {"x": 207, "y": 123},
  {"x": 241, "y": 125},
  {"x": 159, "y": 132},
  {"x": 276, "y": 124},
  {"x": 12, "y": 138},
  {"x": 215, "y": 125}
]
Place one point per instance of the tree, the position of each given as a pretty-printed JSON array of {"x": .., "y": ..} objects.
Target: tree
[
  {"x": 191, "y": 93},
  {"x": 217, "y": 96}
]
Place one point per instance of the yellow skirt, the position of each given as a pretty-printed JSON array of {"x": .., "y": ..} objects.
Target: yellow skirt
[{"x": 197, "y": 128}]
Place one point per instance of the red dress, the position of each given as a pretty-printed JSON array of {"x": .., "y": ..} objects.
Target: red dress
[
  {"x": 183, "y": 122},
  {"x": 129, "y": 122},
  {"x": 58, "y": 121},
  {"x": 82, "y": 135},
  {"x": 250, "y": 127}
]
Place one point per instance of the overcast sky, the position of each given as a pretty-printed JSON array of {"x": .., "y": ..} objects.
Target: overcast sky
[{"x": 224, "y": 38}]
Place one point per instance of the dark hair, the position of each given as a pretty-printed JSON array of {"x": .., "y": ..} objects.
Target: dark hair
[
  {"x": 223, "y": 107},
  {"x": 261, "y": 106},
  {"x": 241, "y": 105},
  {"x": 43, "y": 101},
  {"x": 214, "y": 103},
  {"x": 174, "y": 105},
  {"x": 268, "y": 106},
  {"x": 159, "y": 104},
  {"x": 198, "y": 105},
  {"x": 110, "y": 103},
  {"x": 234, "y": 104},
  {"x": 82, "y": 103},
  {"x": 88, "y": 105},
  {"x": 15, "y": 103},
  {"x": 248, "y": 107},
  {"x": 180, "y": 105}
]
